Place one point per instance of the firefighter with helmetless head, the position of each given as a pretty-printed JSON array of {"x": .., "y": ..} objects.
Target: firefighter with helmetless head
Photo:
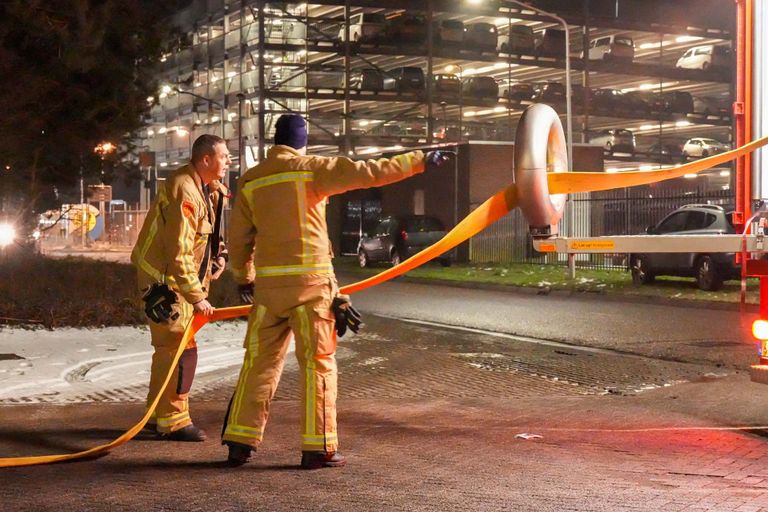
[
  {"x": 179, "y": 251},
  {"x": 280, "y": 255}
]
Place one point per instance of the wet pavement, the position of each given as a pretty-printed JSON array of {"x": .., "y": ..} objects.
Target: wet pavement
[{"x": 432, "y": 418}]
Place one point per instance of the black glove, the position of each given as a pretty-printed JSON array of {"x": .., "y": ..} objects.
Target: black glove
[
  {"x": 246, "y": 293},
  {"x": 437, "y": 158},
  {"x": 346, "y": 316},
  {"x": 158, "y": 304}
]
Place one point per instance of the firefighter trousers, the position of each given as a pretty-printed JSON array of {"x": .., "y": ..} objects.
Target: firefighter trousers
[
  {"x": 172, "y": 411},
  {"x": 305, "y": 312}
]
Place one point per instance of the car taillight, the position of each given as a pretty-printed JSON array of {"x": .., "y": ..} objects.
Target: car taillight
[
  {"x": 404, "y": 235},
  {"x": 760, "y": 329}
]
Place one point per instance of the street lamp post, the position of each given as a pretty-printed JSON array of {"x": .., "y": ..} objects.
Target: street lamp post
[
  {"x": 568, "y": 121},
  {"x": 212, "y": 101},
  {"x": 449, "y": 69}
]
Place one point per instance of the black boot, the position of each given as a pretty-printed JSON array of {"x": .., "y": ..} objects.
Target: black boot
[
  {"x": 318, "y": 460},
  {"x": 239, "y": 453},
  {"x": 188, "y": 434}
]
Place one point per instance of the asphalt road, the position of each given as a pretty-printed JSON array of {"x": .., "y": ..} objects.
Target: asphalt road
[{"x": 694, "y": 333}]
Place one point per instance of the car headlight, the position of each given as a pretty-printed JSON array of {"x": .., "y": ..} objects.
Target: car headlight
[{"x": 7, "y": 235}]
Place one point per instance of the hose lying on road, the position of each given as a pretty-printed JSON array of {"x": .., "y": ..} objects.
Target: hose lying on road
[{"x": 489, "y": 212}]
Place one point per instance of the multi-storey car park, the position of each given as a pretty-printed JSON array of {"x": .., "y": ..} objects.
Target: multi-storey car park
[{"x": 374, "y": 76}]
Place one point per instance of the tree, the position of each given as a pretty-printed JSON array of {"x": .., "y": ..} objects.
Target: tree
[{"x": 73, "y": 73}]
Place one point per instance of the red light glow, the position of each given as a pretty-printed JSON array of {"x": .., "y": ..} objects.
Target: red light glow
[{"x": 760, "y": 329}]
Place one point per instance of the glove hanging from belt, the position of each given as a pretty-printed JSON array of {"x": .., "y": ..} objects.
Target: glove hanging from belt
[
  {"x": 346, "y": 315},
  {"x": 158, "y": 303}
]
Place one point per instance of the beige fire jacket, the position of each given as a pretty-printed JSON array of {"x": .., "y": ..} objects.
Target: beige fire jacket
[
  {"x": 278, "y": 234},
  {"x": 172, "y": 243}
]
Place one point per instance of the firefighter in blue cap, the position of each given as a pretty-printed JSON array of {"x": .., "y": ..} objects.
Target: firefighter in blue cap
[{"x": 280, "y": 255}]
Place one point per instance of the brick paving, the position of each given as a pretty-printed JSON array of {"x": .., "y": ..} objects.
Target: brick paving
[{"x": 428, "y": 419}]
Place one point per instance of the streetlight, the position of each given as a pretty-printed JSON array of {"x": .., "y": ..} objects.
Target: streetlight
[
  {"x": 209, "y": 100},
  {"x": 568, "y": 122}
]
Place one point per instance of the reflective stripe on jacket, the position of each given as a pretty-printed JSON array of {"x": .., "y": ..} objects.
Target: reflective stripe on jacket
[
  {"x": 173, "y": 240},
  {"x": 278, "y": 227}
]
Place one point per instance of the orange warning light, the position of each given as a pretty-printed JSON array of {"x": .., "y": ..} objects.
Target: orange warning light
[{"x": 760, "y": 329}]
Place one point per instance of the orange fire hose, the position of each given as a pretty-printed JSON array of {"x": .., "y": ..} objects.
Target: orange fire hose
[{"x": 486, "y": 214}]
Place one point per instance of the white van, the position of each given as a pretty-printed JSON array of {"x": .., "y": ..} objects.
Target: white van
[
  {"x": 613, "y": 47},
  {"x": 364, "y": 27},
  {"x": 705, "y": 57}
]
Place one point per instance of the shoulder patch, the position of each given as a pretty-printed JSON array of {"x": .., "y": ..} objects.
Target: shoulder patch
[{"x": 188, "y": 209}]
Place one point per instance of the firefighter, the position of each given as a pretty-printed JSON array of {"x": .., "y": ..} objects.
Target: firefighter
[
  {"x": 178, "y": 252},
  {"x": 280, "y": 255}
]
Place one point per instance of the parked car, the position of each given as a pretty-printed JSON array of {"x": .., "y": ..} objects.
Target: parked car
[
  {"x": 406, "y": 28},
  {"x": 549, "y": 92},
  {"x": 449, "y": 32},
  {"x": 325, "y": 79},
  {"x": 405, "y": 79},
  {"x": 520, "y": 39},
  {"x": 666, "y": 152},
  {"x": 480, "y": 86},
  {"x": 550, "y": 42},
  {"x": 641, "y": 101},
  {"x": 710, "y": 105},
  {"x": 651, "y": 100},
  {"x": 616, "y": 140},
  {"x": 365, "y": 27},
  {"x": 613, "y": 47},
  {"x": 446, "y": 83},
  {"x": 368, "y": 79},
  {"x": 481, "y": 36},
  {"x": 701, "y": 148},
  {"x": 397, "y": 238},
  {"x": 705, "y": 57},
  {"x": 515, "y": 91},
  {"x": 606, "y": 99},
  {"x": 709, "y": 269},
  {"x": 678, "y": 102}
]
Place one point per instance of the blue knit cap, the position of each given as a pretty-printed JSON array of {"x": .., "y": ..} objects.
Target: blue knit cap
[{"x": 291, "y": 130}]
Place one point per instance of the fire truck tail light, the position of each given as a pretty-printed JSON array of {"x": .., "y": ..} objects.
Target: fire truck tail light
[{"x": 760, "y": 329}]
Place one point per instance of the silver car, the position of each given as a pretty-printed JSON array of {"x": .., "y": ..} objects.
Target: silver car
[
  {"x": 616, "y": 140},
  {"x": 702, "y": 148}
]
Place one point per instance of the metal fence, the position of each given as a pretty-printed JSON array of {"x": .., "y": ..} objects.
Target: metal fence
[
  {"x": 615, "y": 212},
  {"x": 119, "y": 232}
]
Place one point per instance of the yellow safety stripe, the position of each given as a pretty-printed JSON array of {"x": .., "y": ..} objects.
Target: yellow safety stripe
[
  {"x": 169, "y": 421},
  {"x": 253, "y": 341},
  {"x": 283, "y": 177},
  {"x": 243, "y": 431},
  {"x": 253, "y": 334},
  {"x": 329, "y": 437},
  {"x": 290, "y": 270},
  {"x": 143, "y": 263},
  {"x": 187, "y": 253},
  {"x": 301, "y": 201},
  {"x": 310, "y": 385}
]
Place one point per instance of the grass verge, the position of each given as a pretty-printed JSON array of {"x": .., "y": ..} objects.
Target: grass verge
[
  {"x": 79, "y": 292},
  {"x": 547, "y": 278}
]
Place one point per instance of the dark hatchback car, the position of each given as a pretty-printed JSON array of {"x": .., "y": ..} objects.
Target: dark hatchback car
[
  {"x": 710, "y": 270},
  {"x": 405, "y": 79},
  {"x": 397, "y": 238}
]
